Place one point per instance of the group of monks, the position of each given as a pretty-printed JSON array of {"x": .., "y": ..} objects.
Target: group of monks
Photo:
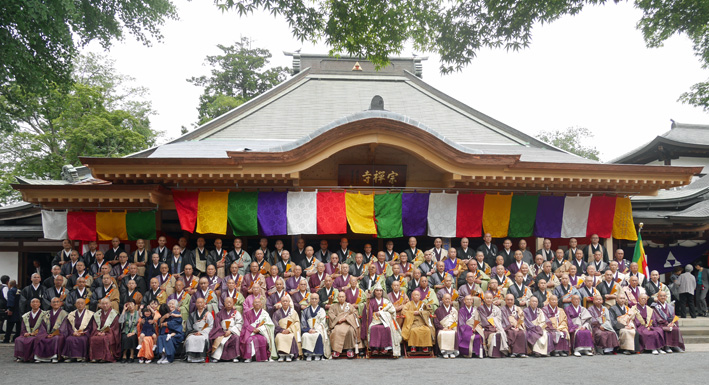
[{"x": 216, "y": 305}]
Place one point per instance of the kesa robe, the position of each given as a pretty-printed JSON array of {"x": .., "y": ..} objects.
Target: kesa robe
[
  {"x": 665, "y": 316},
  {"x": 50, "y": 342},
  {"x": 257, "y": 282},
  {"x": 513, "y": 325},
  {"x": 77, "y": 346},
  {"x": 316, "y": 343},
  {"x": 25, "y": 346},
  {"x": 226, "y": 348},
  {"x": 105, "y": 341},
  {"x": 623, "y": 320},
  {"x": 535, "y": 323},
  {"x": 418, "y": 329},
  {"x": 236, "y": 296},
  {"x": 603, "y": 333},
  {"x": 399, "y": 300},
  {"x": 445, "y": 321},
  {"x": 579, "y": 321},
  {"x": 469, "y": 342},
  {"x": 651, "y": 336},
  {"x": 197, "y": 345},
  {"x": 344, "y": 327},
  {"x": 466, "y": 290},
  {"x": 489, "y": 326},
  {"x": 290, "y": 343},
  {"x": 211, "y": 300},
  {"x": 257, "y": 339},
  {"x": 356, "y": 297},
  {"x": 558, "y": 328},
  {"x": 300, "y": 301},
  {"x": 380, "y": 327}
]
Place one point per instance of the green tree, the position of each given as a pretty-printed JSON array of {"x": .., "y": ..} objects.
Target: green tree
[
  {"x": 239, "y": 74},
  {"x": 41, "y": 38},
  {"x": 571, "y": 140},
  {"x": 100, "y": 114},
  {"x": 458, "y": 30}
]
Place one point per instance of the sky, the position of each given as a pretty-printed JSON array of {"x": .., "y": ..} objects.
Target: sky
[{"x": 590, "y": 70}]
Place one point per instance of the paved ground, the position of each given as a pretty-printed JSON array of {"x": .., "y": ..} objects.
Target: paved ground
[{"x": 671, "y": 368}]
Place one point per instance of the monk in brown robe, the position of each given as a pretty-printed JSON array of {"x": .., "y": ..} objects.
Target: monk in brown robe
[
  {"x": 344, "y": 327},
  {"x": 104, "y": 344}
]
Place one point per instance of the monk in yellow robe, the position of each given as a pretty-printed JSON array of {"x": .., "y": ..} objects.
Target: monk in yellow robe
[{"x": 418, "y": 331}]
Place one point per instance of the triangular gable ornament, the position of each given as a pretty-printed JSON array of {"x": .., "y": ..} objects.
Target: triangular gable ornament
[{"x": 357, "y": 67}]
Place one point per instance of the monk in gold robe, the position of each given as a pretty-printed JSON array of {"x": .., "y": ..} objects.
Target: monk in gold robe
[
  {"x": 344, "y": 327},
  {"x": 418, "y": 331}
]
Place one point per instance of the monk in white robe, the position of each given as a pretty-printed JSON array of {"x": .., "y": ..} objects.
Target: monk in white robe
[
  {"x": 199, "y": 325},
  {"x": 445, "y": 321},
  {"x": 313, "y": 325},
  {"x": 287, "y": 331}
]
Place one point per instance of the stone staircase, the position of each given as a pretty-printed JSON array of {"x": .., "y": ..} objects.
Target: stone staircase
[{"x": 695, "y": 330}]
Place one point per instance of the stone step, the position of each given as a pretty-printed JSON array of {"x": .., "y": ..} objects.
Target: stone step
[
  {"x": 694, "y": 330},
  {"x": 691, "y": 340},
  {"x": 699, "y": 321}
]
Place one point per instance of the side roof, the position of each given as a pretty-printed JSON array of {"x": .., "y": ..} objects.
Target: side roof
[{"x": 682, "y": 139}]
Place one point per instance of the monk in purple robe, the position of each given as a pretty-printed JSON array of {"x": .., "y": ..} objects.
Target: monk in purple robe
[
  {"x": 604, "y": 337},
  {"x": 651, "y": 336},
  {"x": 271, "y": 280},
  {"x": 488, "y": 316},
  {"x": 254, "y": 341},
  {"x": 579, "y": 321},
  {"x": 293, "y": 282},
  {"x": 343, "y": 279},
  {"x": 104, "y": 345},
  {"x": 316, "y": 280},
  {"x": 469, "y": 342},
  {"x": 273, "y": 302},
  {"x": 300, "y": 297},
  {"x": 76, "y": 330},
  {"x": 445, "y": 321},
  {"x": 535, "y": 323},
  {"x": 50, "y": 341},
  {"x": 513, "y": 324},
  {"x": 379, "y": 325},
  {"x": 286, "y": 327},
  {"x": 30, "y": 324},
  {"x": 228, "y": 324},
  {"x": 668, "y": 321},
  {"x": 254, "y": 282}
]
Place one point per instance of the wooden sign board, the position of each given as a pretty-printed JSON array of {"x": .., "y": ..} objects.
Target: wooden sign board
[{"x": 382, "y": 175}]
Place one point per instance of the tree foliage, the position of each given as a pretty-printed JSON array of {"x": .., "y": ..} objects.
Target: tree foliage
[
  {"x": 239, "y": 74},
  {"x": 100, "y": 114},
  {"x": 458, "y": 30},
  {"x": 572, "y": 140},
  {"x": 40, "y": 38}
]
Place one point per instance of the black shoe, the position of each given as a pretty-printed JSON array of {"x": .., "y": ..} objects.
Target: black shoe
[{"x": 132, "y": 360}]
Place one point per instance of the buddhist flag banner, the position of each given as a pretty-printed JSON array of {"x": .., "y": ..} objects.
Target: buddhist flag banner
[
  {"x": 186, "y": 204},
  {"x": 242, "y": 213},
  {"x": 54, "y": 224},
  {"x": 522, "y": 215},
  {"x": 272, "y": 213},
  {"x": 469, "y": 215},
  {"x": 496, "y": 214},
  {"x": 332, "y": 213},
  {"x": 575, "y": 218},
  {"x": 141, "y": 225},
  {"x": 600, "y": 216},
  {"x": 360, "y": 213},
  {"x": 387, "y": 209},
  {"x": 623, "y": 226},
  {"x": 212, "y": 212},
  {"x": 110, "y": 225},
  {"x": 81, "y": 226},
  {"x": 442, "y": 211},
  {"x": 639, "y": 256},
  {"x": 414, "y": 213},
  {"x": 302, "y": 213},
  {"x": 550, "y": 213}
]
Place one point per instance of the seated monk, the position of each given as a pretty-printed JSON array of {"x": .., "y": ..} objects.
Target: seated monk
[
  {"x": 667, "y": 320},
  {"x": 344, "y": 328},
  {"x": 470, "y": 288},
  {"x": 171, "y": 333},
  {"x": 652, "y": 337},
  {"x": 31, "y": 323},
  {"x": 231, "y": 290},
  {"x": 604, "y": 337},
  {"x": 513, "y": 324},
  {"x": 301, "y": 298},
  {"x": 313, "y": 325},
  {"x": 256, "y": 341},
  {"x": 379, "y": 326},
  {"x": 445, "y": 321},
  {"x": 557, "y": 327},
  {"x": 147, "y": 332},
  {"x": 287, "y": 331},
  {"x": 76, "y": 330},
  {"x": 417, "y": 331},
  {"x": 579, "y": 322},
  {"x": 215, "y": 283},
  {"x": 104, "y": 345},
  {"x": 448, "y": 289},
  {"x": 355, "y": 295},
  {"x": 489, "y": 326},
  {"x": 535, "y": 323},
  {"x": 271, "y": 279},
  {"x": 623, "y": 320},
  {"x": 398, "y": 299},
  {"x": 50, "y": 340},
  {"x": 183, "y": 298},
  {"x": 211, "y": 298},
  {"x": 226, "y": 332},
  {"x": 275, "y": 300},
  {"x": 469, "y": 342},
  {"x": 198, "y": 327}
]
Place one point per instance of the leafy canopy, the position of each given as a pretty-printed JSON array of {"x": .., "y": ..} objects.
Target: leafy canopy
[
  {"x": 238, "y": 74},
  {"x": 573, "y": 140}
]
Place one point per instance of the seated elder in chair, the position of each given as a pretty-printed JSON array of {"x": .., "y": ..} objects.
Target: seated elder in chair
[
  {"x": 226, "y": 333},
  {"x": 445, "y": 321},
  {"x": 344, "y": 327},
  {"x": 198, "y": 326},
  {"x": 379, "y": 326},
  {"x": 418, "y": 329},
  {"x": 104, "y": 345}
]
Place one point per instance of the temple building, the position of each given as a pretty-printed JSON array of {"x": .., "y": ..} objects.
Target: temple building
[{"x": 322, "y": 148}]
